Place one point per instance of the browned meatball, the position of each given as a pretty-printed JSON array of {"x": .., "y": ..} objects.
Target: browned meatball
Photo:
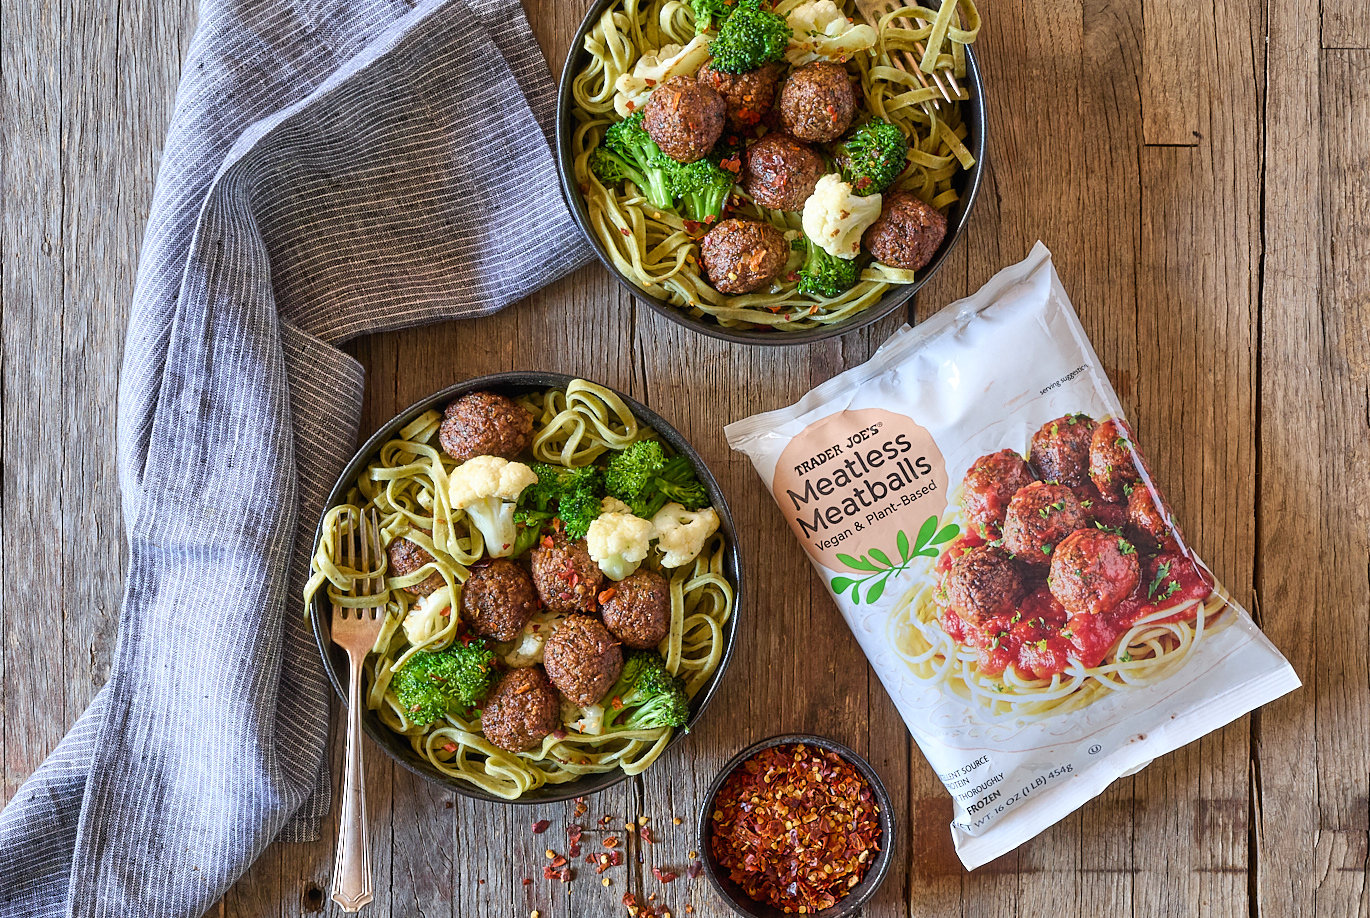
[
  {"x": 749, "y": 96},
  {"x": 638, "y": 611},
  {"x": 498, "y": 599},
  {"x": 743, "y": 255},
  {"x": 907, "y": 233},
  {"x": 485, "y": 424},
  {"x": 984, "y": 582},
  {"x": 566, "y": 577},
  {"x": 407, "y": 557},
  {"x": 817, "y": 102},
  {"x": 989, "y": 485},
  {"x": 781, "y": 172},
  {"x": 1149, "y": 521},
  {"x": 521, "y": 711},
  {"x": 583, "y": 660},
  {"x": 1092, "y": 571},
  {"x": 1112, "y": 462},
  {"x": 685, "y": 118},
  {"x": 1039, "y": 517},
  {"x": 1060, "y": 450}
]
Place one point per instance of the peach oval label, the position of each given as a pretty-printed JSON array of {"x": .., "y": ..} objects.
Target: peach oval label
[{"x": 858, "y": 486}]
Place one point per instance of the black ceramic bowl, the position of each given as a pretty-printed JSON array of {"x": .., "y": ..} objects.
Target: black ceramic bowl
[
  {"x": 744, "y": 905},
  {"x": 335, "y": 659},
  {"x": 967, "y": 185}
]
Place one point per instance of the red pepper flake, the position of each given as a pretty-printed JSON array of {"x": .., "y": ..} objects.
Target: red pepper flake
[
  {"x": 607, "y": 595},
  {"x": 645, "y": 833},
  {"x": 559, "y": 733},
  {"x": 541, "y": 826},
  {"x": 549, "y": 874},
  {"x": 611, "y": 841},
  {"x": 558, "y": 862},
  {"x": 665, "y": 876},
  {"x": 795, "y": 827},
  {"x": 527, "y": 881},
  {"x": 449, "y": 747},
  {"x": 694, "y": 870},
  {"x": 616, "y": 703}
]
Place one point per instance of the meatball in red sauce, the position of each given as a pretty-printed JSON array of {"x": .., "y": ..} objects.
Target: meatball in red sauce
[
  {"x": 1149, "y": 521},
  {"x": 1039, "y": 517},
  {"x": 1113, "y": 461},
  {"x": 988, "y": 487},
  {"x": 982, "y": 583},
  {"x": 1060, "y": 449},
  {"x": 1092, "y": 571}
]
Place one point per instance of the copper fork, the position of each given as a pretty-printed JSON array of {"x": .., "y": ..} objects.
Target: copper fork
[
  {"x": 355, "y": 630},
  {"x": 873, "y": 10}
]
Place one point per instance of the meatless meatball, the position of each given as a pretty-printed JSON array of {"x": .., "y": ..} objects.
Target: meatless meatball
[
  {"x": 1092, "y": 571},
  {"x": 583, "y": 660},
  {"x": 1097, "y": 510},
  {"x": 781, "y": 172},
  {"x": 749, "y": 96},
  {"x": 743, "y": 255},
  {"x": 498, "y": 599},
  {"x": 639, "y": 611},
  {"x": 907, "y": 233},
  {"x": 984, "y": 582},
  {"x": 685, "y": 118},
  {"x": 1149, "y": 522},
  {"x": 989, "y": 485},
  {"x": 485, "y": 424},
  {"x": 1060, "y": 449},
  {"x": 817, "y": 102},
  {"x": 1112, "y": 462},
  {"x": 521, "y": 711},
  {"x": 407, "y": 557},
  {"x": 1039, "y": 517},
  {"x": 566, "y": 577}
]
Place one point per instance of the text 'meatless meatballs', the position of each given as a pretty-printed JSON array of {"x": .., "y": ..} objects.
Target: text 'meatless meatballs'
[
  {"x": 583, "y": 660},
  {"x": 908, "y": 232},
  {"x": 405, "y": 558},
  {"x": 639, "y": 611},
  {"x": 1039, "y": 517},
  {"x": 485, "y": 424},
  {"x": 521, "y": 711},
  {"x": 817, "y": 102},
  {"x": 1059, "y": 450},
  {"x": 989, "y": 485},
  {"x": 1112, "y": 462},
  {"x": 566, "y": 577},
  {"x": 1092, "y": 571},
  {"x": 743, "y": 255},
  {"x": 498, "y": 599},
  {"x": 984, "y": 583},
  {"x": 685, "y": 118},
  {"x": 749, "y": 96},
  {"x": 780, "y": 172}
]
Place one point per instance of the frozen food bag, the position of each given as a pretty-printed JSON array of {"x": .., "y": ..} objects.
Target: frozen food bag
[{"x": 975, "y": 500}]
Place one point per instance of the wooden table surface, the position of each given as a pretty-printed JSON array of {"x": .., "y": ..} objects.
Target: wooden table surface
[{"x": 1200, "y": 172}]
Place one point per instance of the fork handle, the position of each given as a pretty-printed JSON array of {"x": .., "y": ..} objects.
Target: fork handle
[{"x": 352, "y": 866}]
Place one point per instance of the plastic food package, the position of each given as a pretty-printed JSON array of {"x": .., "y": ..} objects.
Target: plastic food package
[{"x": 974, "y": 499}]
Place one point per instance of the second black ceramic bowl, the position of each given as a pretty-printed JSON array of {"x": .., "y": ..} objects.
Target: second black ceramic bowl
[
  {"x": 967, "y": 185},
  {"x": 747, "y": 907},
  {"x": 335, "y": 659}
]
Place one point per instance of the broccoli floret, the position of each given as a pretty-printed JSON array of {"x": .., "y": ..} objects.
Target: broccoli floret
[
  {"x": 872, "y": 156},
  {"x": 646, "y": 696},
  {"x": 612, "y": 169},
  {"x": 750, "y": 38},
  {"x": 428, "y": 685},
  {"x": 635, "y": 149},
  {"x": 571, "y": 495},
  {"x": 643, "y": 478},
  {"x": 703, "y": 188},
  {"x": 711, "y": 13},
  {"x": 824, "y": 275}
]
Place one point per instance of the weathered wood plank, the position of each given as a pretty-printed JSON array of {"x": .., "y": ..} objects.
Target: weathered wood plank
[
  {"x": 1177, "y": 40},
  {"x": 1345, "y": 24}
]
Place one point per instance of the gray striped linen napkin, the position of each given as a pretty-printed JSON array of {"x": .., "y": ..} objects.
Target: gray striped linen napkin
[{"x": 333, "y": 167}]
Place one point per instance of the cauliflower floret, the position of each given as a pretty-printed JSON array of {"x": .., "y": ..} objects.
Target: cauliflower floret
[
  {"x": 533, "y": 640},
  {"x": 428, "y": 616},
  {"x": 588, "y": 720},
  {"x": 654, "y": 68},
  {"x": 486, "y": 487},
  {"x": 681, "y": 533},
  {"x": 823, "y": 32},
  {"x": 835, "y": 218},
  {"x": 617, "y": 540}
]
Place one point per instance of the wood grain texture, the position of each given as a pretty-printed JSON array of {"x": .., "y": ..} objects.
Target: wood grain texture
[{"x": 1201, "y": 174}]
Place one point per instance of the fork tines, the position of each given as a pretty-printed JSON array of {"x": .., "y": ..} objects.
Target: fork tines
[{"x": 874, "y": 10}]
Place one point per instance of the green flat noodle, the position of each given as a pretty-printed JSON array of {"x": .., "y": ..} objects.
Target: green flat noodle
[
  {"x": 407, "y": 486},
  {"x": 655, "y": 251}
]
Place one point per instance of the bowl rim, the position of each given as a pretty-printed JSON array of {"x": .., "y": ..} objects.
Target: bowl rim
[
  {"x": 874, "y": 877},
  {"x": 396, "y": 746},
  {"x": 897, "y": 296}
]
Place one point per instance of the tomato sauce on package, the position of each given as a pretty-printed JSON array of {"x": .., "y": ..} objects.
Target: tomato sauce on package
[{"x": 980, "y": 510}]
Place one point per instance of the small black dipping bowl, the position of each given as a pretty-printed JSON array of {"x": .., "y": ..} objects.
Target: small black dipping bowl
[
  {"x": 967, "y": 185},
  {"x": 335, "y": 658},
  {"x": 744, "y": 905}
]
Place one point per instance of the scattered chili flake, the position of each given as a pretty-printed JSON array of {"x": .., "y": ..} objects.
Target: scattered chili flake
[
  {"x": 606, "y": 595},
  {"x": 665, "y": 876},
  {"x": 645, "y": 834},
  {"x": 449, "y": 747},
  {"x": 611, "y": 841},
  {"x": 541, "y": 826},
  {"x": 795, "y": 827},
  {"x": 559, "y": 734},
  {"x": 559, "y": 861},
  {"x": 527, "y": 881},
  {"x": 548, "y": 873},
  {"x": 581, "y": 808},
  {"x": 695, "y": 869},
  {"x": 547, "y": 542}
]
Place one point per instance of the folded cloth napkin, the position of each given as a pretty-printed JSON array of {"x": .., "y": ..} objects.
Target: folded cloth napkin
[{"x": 333, "y": 167}]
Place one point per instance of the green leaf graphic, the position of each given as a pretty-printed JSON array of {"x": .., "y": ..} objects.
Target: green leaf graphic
[
  {"x": 876, "y": 590},
  {"x": 842, "y": 584},
  {"x": 902, "y": 543},
  {"x": 880, "y": 556},
  {"x": 925, "y": 532},
  {"x": 857, "y": 564}
]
